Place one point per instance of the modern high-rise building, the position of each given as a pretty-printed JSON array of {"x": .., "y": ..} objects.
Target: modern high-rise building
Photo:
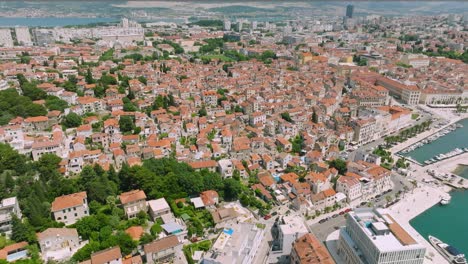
[
  {"x": 239, "y": 25},
  {"x": 349, "y": 11},
  {"x": 227, "y": 25},
  {"x": 5, "y": 38},
  {"x": 253, "y": 25},
  {"x": 23, "y": 36},
  {"x": 372, "y": 236}
]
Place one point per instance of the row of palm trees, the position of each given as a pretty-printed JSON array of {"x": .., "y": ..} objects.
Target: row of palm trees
[{"x": 407, "y": 133}]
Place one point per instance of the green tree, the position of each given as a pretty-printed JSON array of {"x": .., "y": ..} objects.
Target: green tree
[
  {"x": 107, "y": 80},
  {"x": 10, "y": 159},
  {"x": 72, "y": 120},
  {"x": 232, "y": 189},
  {"x": 21, "y": 231},
  {"x": 286, "y": 116},
  {"x": 143, "y": 80},
  {"x": 314, "y": 117},
  {"x": 202, "y": 111},
  {"x": 55, "y": 103},
  {"x": 126, "y": 123},
  {"x": 339, "y": 165}
]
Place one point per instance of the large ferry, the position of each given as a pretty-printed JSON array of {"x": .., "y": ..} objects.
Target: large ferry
[{"x": 449, "y": 252}]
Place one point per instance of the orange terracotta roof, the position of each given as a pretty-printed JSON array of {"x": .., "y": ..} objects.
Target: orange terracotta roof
[
  {"x": 68, "y": 201},
  {"x": 106, "y": 256},
  {"x": 135, "y": 232},
  {"x": 132, "y": 196}
]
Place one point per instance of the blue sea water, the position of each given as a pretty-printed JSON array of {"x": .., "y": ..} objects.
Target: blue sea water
[
  {"x": 455, "y": 139},
  {"x": 52, "y": 21}
]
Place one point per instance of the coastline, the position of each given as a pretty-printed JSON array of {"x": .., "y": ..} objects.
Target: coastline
[
  {"x": 415, "y": 203},
  {"x": 427, "y": 195}
]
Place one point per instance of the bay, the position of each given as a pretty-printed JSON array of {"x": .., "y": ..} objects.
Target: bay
[
  {"x": 455, "y": 139},
  {"x": 52, "y": 21},
  {"x": 448, "y": 222}
]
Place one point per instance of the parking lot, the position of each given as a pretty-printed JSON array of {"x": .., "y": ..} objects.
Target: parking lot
[{"x": 322, "y": 230}]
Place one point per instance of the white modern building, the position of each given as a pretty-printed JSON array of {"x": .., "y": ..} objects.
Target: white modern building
[
  {"x": 23, "y": 36},
  {"x": 291, "y": 228},
  {"x": 157, "y": 208},
  {"x": 5, "y": 38},
  {"x": 238, "y": 244},
  {"x": 8, "y": 207},
  {"x": 225, "y": 168},
  {"x": 372, "y": 236}
]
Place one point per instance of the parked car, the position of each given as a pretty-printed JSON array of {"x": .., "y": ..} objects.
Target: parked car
[
  {"x": 266, "y": 217},
  {"x": 335, "y": 215},
  {"x": 323, "y": 221},
  {"x": 348, "y": 210}
]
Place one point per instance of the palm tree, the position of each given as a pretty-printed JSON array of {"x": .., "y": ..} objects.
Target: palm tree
[
  {"x": 387, "y": 141},
  {"x": 418, "y": 128},
  {"x": 388, "y": 198}
]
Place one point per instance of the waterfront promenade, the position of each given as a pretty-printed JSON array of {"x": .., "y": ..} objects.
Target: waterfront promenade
[
  {"x": 453, "y": 119},
  {"x": 414, "y": 203},
  {"x": 425, "y": 195}
]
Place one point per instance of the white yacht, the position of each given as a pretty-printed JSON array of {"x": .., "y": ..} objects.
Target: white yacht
[
  {"x": 450, "y": 253},
  {"x": 444, "y": 201}
]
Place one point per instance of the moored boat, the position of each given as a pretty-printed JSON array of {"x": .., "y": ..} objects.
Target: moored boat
[
  {"x": 444, "y": 201},
  {"x": 450, "y": 253}
]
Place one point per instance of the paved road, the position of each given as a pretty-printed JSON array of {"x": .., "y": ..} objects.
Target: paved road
[{"x": 321, "y": 231}]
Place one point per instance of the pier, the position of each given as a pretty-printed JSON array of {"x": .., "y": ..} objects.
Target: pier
[{"x": 442, "y": 170}]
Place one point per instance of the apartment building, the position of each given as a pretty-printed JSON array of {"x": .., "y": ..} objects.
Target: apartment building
[
  {"x": 23, "y": 36},
  {"x": 111, "y": 255},
  {"x": 289, "y": 230},
  {"x": 237, "y": 244},
  {"x": 133, "y": 202},
  {"x": 415, "y": 60},
  {"x": 46, "y": 147},
  {"x": 308, "y": 249},
  {"x": 350, "y": 186},
  {"x": 158, "y": 208},
  {"x": 8, "y": 207},
  {"x": 364, "y": 130},
  {"x": 70, "y": 208},
  {"x": 6, "y": 39},
  {"x": 442, "y": 96},
  {"x": 59, "y": 243},
  {"x": 409, "y": 94},
  {"x": 90, "y": 104},
  {"x": 162, "y": 250},
  {"x": 225, "y": 168}
]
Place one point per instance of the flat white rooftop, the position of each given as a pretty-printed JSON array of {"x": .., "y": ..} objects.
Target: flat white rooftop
[{"x": 386, "y": 234}]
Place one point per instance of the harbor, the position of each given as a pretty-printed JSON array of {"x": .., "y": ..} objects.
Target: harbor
[
  {"x": 441, "y": 145},
  {"x": 438, "y": 198},
  {"x": 454, "y": 231}
]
